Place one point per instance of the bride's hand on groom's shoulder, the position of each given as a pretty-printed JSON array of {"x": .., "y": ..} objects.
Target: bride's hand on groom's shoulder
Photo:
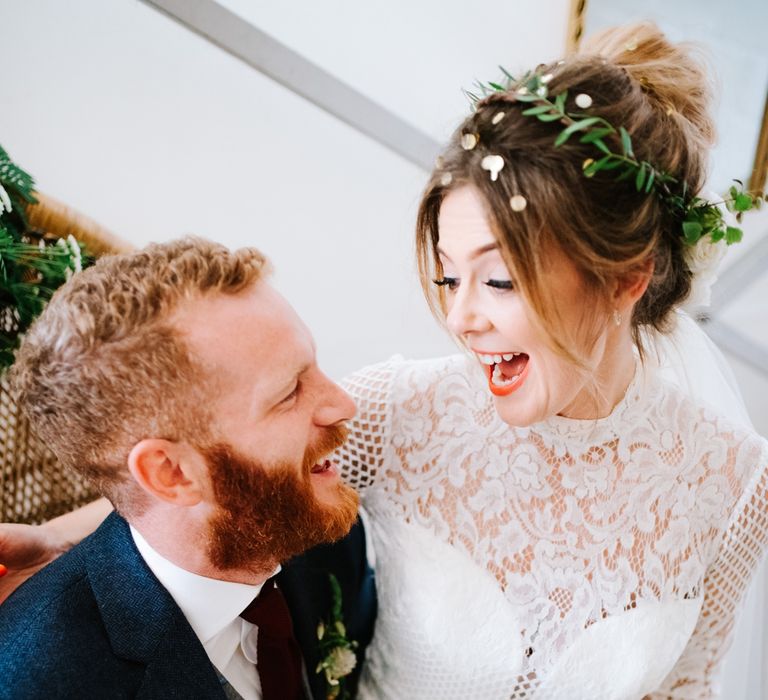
[{"x": 24, "y": 550}]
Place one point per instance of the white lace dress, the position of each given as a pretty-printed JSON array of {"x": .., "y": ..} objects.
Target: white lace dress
[{"x": 573, "y": 559}]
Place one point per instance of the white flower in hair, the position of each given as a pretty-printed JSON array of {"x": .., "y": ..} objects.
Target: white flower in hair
[{"x": 703, "y": 260}]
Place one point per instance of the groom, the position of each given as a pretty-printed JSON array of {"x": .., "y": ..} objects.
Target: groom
[{"x": 187, "y": 390}]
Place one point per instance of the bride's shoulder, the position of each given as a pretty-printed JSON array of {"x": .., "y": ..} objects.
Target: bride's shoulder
[
  {"x": 422, "y": 374},
  {"x": 703, "y": 419}
]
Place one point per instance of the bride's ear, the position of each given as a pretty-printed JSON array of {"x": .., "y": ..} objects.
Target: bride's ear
[
  {"x": 631, "y": 286},
  {"x": 169, "y": 471}
]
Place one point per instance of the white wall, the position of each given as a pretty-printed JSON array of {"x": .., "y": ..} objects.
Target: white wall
[
  {"x": 414, "y": 57},
  {"x": 154, "y": 132}
]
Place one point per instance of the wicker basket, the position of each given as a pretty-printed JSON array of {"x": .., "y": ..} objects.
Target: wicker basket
[{"x": 33, "y": 485}]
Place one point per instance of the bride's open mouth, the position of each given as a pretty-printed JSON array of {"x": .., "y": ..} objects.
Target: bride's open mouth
[{"x": 506, "y": 370}]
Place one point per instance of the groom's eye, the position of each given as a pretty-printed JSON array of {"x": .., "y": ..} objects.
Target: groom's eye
[{"x": 292, "y": 395}]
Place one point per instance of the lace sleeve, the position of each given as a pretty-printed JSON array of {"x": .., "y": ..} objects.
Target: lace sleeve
[
  {"x": 697, "y": 673},
  {"x": 369, "y": 431}
]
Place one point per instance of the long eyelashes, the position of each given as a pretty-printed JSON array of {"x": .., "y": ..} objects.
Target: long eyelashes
[
  {"x": 450, "y": 282},
  {"x": 500, "y": 284},
  {"x": 453, "y": 282}
]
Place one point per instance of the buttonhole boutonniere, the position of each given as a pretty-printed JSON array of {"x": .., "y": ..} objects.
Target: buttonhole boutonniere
[{"x": 337, "y": 652}]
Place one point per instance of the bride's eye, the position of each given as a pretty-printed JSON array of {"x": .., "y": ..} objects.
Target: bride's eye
[
  {"x": 500, "y": 285},
  {"x": 450, "y": 282}
]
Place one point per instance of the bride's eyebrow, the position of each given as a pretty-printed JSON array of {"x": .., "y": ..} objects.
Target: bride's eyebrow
[{"x": 482, "y": 250}]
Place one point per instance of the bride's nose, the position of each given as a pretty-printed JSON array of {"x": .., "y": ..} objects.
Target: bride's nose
[{"x": 465, "y": 313}]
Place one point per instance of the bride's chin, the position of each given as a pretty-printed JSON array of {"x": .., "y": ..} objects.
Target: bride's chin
[{"x": 515, "y": 416}]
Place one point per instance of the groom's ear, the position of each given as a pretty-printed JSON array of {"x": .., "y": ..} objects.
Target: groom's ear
[{"x": 169, "y": 471}]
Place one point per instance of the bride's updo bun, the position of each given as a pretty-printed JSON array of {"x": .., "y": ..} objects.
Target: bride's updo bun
[
  {"x": 636, "y": 78},
  {"x": 674, "y": 76}
]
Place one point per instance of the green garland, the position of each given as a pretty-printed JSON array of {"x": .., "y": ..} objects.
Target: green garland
[
  {"x": 699, "y": 218},
  {"x": 32, "y": 265}
]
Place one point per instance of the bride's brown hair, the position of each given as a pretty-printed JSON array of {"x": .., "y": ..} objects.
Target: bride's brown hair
[{"x": 637, "y": 79}]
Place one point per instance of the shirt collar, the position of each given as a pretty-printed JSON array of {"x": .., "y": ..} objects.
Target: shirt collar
[{"x": 208, "y": 604}]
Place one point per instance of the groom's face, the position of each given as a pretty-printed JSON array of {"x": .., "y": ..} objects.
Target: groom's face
[{"x": 277, "y": 419}]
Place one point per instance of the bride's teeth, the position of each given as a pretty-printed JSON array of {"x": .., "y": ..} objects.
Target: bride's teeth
[
  {"x": 496, "y": 359},
  {"x": 498, "y": 380}
]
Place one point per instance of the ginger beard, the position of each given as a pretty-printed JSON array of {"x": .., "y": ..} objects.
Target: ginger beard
[{"x": 268, "y": 513}]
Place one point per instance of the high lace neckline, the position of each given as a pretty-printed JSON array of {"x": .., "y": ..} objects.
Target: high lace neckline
[{"x": 625, "y": 413}]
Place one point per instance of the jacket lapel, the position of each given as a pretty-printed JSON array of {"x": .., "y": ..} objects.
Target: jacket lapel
[
  {"x": 142, "y": 620},
  {"x": 306, "y": 591}
]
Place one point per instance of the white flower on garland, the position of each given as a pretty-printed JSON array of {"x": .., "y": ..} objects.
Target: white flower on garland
[
  {"x": 71, "y": 247},
  {"x": 77, "y": 258},
  {"x": 5, "y": 200},
  {"x": 703, "y": 260}
]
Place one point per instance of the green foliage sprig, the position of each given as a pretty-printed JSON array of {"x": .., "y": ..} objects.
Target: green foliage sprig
[
  {"x": 337, "y": 652},
  {"x": 32, "y": 265},
  {"x": 699, "y": 217}
]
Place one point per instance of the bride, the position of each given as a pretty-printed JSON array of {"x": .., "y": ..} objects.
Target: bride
[{"x": 552, "y": 515}]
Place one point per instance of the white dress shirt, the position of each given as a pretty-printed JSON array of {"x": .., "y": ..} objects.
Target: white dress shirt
[{"x": 212, "y": 608}]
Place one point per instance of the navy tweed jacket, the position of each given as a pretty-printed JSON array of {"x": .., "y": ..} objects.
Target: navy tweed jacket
[{"x": 96, "y": 623}]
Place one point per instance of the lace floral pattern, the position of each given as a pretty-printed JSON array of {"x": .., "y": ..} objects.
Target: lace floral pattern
[{"x": 577, "y": 521}]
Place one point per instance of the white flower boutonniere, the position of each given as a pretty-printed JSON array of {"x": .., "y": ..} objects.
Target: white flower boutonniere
[{"x": 337, "y": 653}]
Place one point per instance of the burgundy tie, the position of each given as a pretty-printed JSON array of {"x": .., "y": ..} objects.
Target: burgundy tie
[{"x": 279, "y": 657}]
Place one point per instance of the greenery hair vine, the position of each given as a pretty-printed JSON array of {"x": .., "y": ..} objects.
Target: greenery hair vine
[{"x": 699, "y": 217}]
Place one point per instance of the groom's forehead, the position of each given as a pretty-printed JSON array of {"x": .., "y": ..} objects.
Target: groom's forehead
[
  {"x": 221, "y": 322},
  {"x": 249, "y": 341}
]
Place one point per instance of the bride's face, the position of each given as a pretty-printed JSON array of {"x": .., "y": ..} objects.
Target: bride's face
[{"x": 528, "y": 379}]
